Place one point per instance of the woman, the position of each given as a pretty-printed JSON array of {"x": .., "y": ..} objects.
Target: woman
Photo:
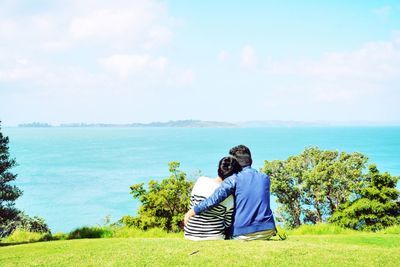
[{"x": 211, "y": 225}]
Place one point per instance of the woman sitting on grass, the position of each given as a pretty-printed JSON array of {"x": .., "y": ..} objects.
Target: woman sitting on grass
[{"x": 211, "y": 225}]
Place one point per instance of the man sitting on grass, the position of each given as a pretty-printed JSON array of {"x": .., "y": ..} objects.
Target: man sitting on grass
[{"x": 253, "y": 219}]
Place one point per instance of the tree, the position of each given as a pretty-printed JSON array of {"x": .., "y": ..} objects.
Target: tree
[
  {"x": 8, "y": 192},
  {"x": 311, "y": 186},
  {"x": 10, "y": 217},
  {"x": 163, "y": 203},
  {"x": 375, "y": 206},
  {"x": 286, "y": 185},
  {"x": 329, "y": 179}
]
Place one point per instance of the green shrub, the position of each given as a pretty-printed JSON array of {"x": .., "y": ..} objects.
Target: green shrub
[
  {"x": 395, "y": 229},
  {"x": 91, "y": 232},
  {"x": 163, "y": 203},
  {"x": 60, "y": 236},
  {"x": 320, "y": 229},
  {"x": 124, "y": 232},
  {"x": 376, "y": 206},
  {"x": 29, "y": 224},
  {"x": 23, "y": 236}
]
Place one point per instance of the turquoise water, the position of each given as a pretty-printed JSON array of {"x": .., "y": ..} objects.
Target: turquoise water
[{"x": 77, "y": 176}]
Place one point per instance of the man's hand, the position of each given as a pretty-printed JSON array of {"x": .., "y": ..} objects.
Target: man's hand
[{"x": 188, "y": 215}]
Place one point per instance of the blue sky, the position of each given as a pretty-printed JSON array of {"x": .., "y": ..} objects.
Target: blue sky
[{"x": 140, "y": 61}]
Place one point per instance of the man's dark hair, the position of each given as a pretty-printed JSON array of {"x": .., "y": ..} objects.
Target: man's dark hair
[
  {"x": 228, "y": 166},
  {"x": 242, "y": 154}
]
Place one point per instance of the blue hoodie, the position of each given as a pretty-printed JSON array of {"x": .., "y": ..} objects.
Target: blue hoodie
[{"x": 251, "y": 191}]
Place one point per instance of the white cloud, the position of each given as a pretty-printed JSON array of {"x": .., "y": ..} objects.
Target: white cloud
[
  {"x": 19, "y": 69},
  {"x": 158, "y": 35},
  {"x": 122, "y": 36},
  {"x": 56, "y": 46},
  {"x": 72, "y": 25},
  {"x": 373, "y": 61},
  {"x": 186, "y": 77},
  {"x": 83, "y": 55},
  {"x": 8, "y": 28},
  {"x": 125, "y": 65},
  {"x": 248, "y": 58},
  {"x": 109, "y": 24},
  {"x": 341, "y": 81},
  {"x": 223, "y": 55}
]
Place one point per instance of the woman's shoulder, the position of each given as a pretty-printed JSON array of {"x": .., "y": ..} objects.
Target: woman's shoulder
[
  {"x": 204, "y": 180},
  {"x": 204, "y": 186}
]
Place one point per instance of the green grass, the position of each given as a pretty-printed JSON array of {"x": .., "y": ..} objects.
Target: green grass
[
  {"x": 321, "y": 229},
  {"x": 297, "y": 250},
  {"x": 391, "y": 230}
]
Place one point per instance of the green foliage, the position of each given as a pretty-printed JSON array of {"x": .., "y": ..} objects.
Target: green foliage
[
  {"x": 59, "y": 236},
  {"x": 321, "y": 229},
  {"x": 116, "y": 232},
  {"x": 24, "y": 236},
  {"x": 163, "y": 203},
  {"x": 11, "y": 218},
  {"x": 286, "y": 185},
  {"x": 395, "y": 229},
  {"x": 312, "y": 185},
  {"x": 8, "y": 192},
  {"x": 128, "y": 232},
  {"x": 91, "y": 232},
  {"x": 376, "y": 205},
  {"x": 31, "y": 224}
]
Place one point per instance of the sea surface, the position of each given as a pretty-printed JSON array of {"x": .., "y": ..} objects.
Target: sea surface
[{"x": 77, "y": 176}]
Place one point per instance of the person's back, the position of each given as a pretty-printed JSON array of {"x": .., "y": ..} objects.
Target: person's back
[
  {"x": 252, "y": 202},
  {"x": 253, "y": 218},
  {"x": 212, "y": 223},
  {"x": 209, "y": 225}
]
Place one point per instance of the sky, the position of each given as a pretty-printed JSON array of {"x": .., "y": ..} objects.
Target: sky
[{"x": 146, "y": 60}]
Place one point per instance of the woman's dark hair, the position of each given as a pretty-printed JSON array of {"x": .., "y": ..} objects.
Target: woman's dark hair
[
  {"x": 242, "y": 154},
  {"x": 228, "y": 166}
]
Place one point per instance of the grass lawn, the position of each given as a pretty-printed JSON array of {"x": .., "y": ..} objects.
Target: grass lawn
[{"x": 301, "y": 250}]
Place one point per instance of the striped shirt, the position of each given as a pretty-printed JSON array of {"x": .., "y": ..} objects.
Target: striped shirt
[{"x": 211, "y": 224}]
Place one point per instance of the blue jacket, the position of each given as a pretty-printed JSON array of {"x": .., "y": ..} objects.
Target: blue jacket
[{"x": 251, "y": 190}]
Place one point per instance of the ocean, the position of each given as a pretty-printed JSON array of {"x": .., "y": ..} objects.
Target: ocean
[{"x": 74, "y": 177}]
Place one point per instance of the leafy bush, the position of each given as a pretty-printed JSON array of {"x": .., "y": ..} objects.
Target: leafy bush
[
  {"x": 310, "y": 187},
  {"x": 31, "y": 224},
  {"x": 163, "y": 203},
  {"x": 23, "y": 221},
  {"x": 91, "y": 232},
  {"x": 376, "y": 205},
  {"x": 23, "y": 236},
  {"x": 60, "y": 236},
  {"x": 321, "y": 229}
]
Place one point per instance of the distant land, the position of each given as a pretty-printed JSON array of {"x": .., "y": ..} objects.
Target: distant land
[
  {"x": 178, "y": 123},
  {"x": 213, "y": 124},
  {"x": 35, "y": 124}
]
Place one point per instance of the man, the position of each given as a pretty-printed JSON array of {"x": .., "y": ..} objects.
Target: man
[{"x": 253, "y": 219}]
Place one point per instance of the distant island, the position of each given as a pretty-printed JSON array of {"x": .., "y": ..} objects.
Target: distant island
[
  {"x": 35, "y": 125},
  {"x": 215, "y": 124},
  {"x": 178, "y": 123}
]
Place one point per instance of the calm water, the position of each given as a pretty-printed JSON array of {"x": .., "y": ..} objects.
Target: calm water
[{"x": 77, "y": 176}]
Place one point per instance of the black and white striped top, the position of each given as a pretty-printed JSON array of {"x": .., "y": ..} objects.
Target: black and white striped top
[{"x": 211, "y": 224}]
